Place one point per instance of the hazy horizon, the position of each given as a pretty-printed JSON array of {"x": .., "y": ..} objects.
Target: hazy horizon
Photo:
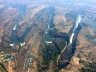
[{"x": 42, "y": 1}]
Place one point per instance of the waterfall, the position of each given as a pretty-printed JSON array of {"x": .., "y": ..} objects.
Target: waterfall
[
  {"x": 11, "y": 44},
  {"x": 14, "y": 28},
  {"x": 71, "y": 38},
  {"x": 77, "y": 22},
  {"x": 76, "y": 26},
  {"x": 64, "y": 20},
  {"x": 48, "y": 26}
]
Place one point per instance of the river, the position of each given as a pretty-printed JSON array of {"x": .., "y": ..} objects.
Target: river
[
  {"x": 21, "y": 40},
  {"x": 67, "y": 54}
]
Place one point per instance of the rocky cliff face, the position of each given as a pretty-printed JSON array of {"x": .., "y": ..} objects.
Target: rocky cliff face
[{"x": 42, "y": 45}]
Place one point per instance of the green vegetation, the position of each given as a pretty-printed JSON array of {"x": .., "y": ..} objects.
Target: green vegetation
[
  {"x": 2, "y": 68},
  {"x": 89, "y": 67},
  {"x": 90, "y": 37},
  {"x": 50, "y": 52}
]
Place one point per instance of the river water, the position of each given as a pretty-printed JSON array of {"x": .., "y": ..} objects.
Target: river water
[{"x": 67, "y": 54}]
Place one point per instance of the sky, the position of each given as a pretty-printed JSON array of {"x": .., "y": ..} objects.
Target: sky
[
  {"x": 40, "y": 1},
  {"x": 24, "y": 1}
]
